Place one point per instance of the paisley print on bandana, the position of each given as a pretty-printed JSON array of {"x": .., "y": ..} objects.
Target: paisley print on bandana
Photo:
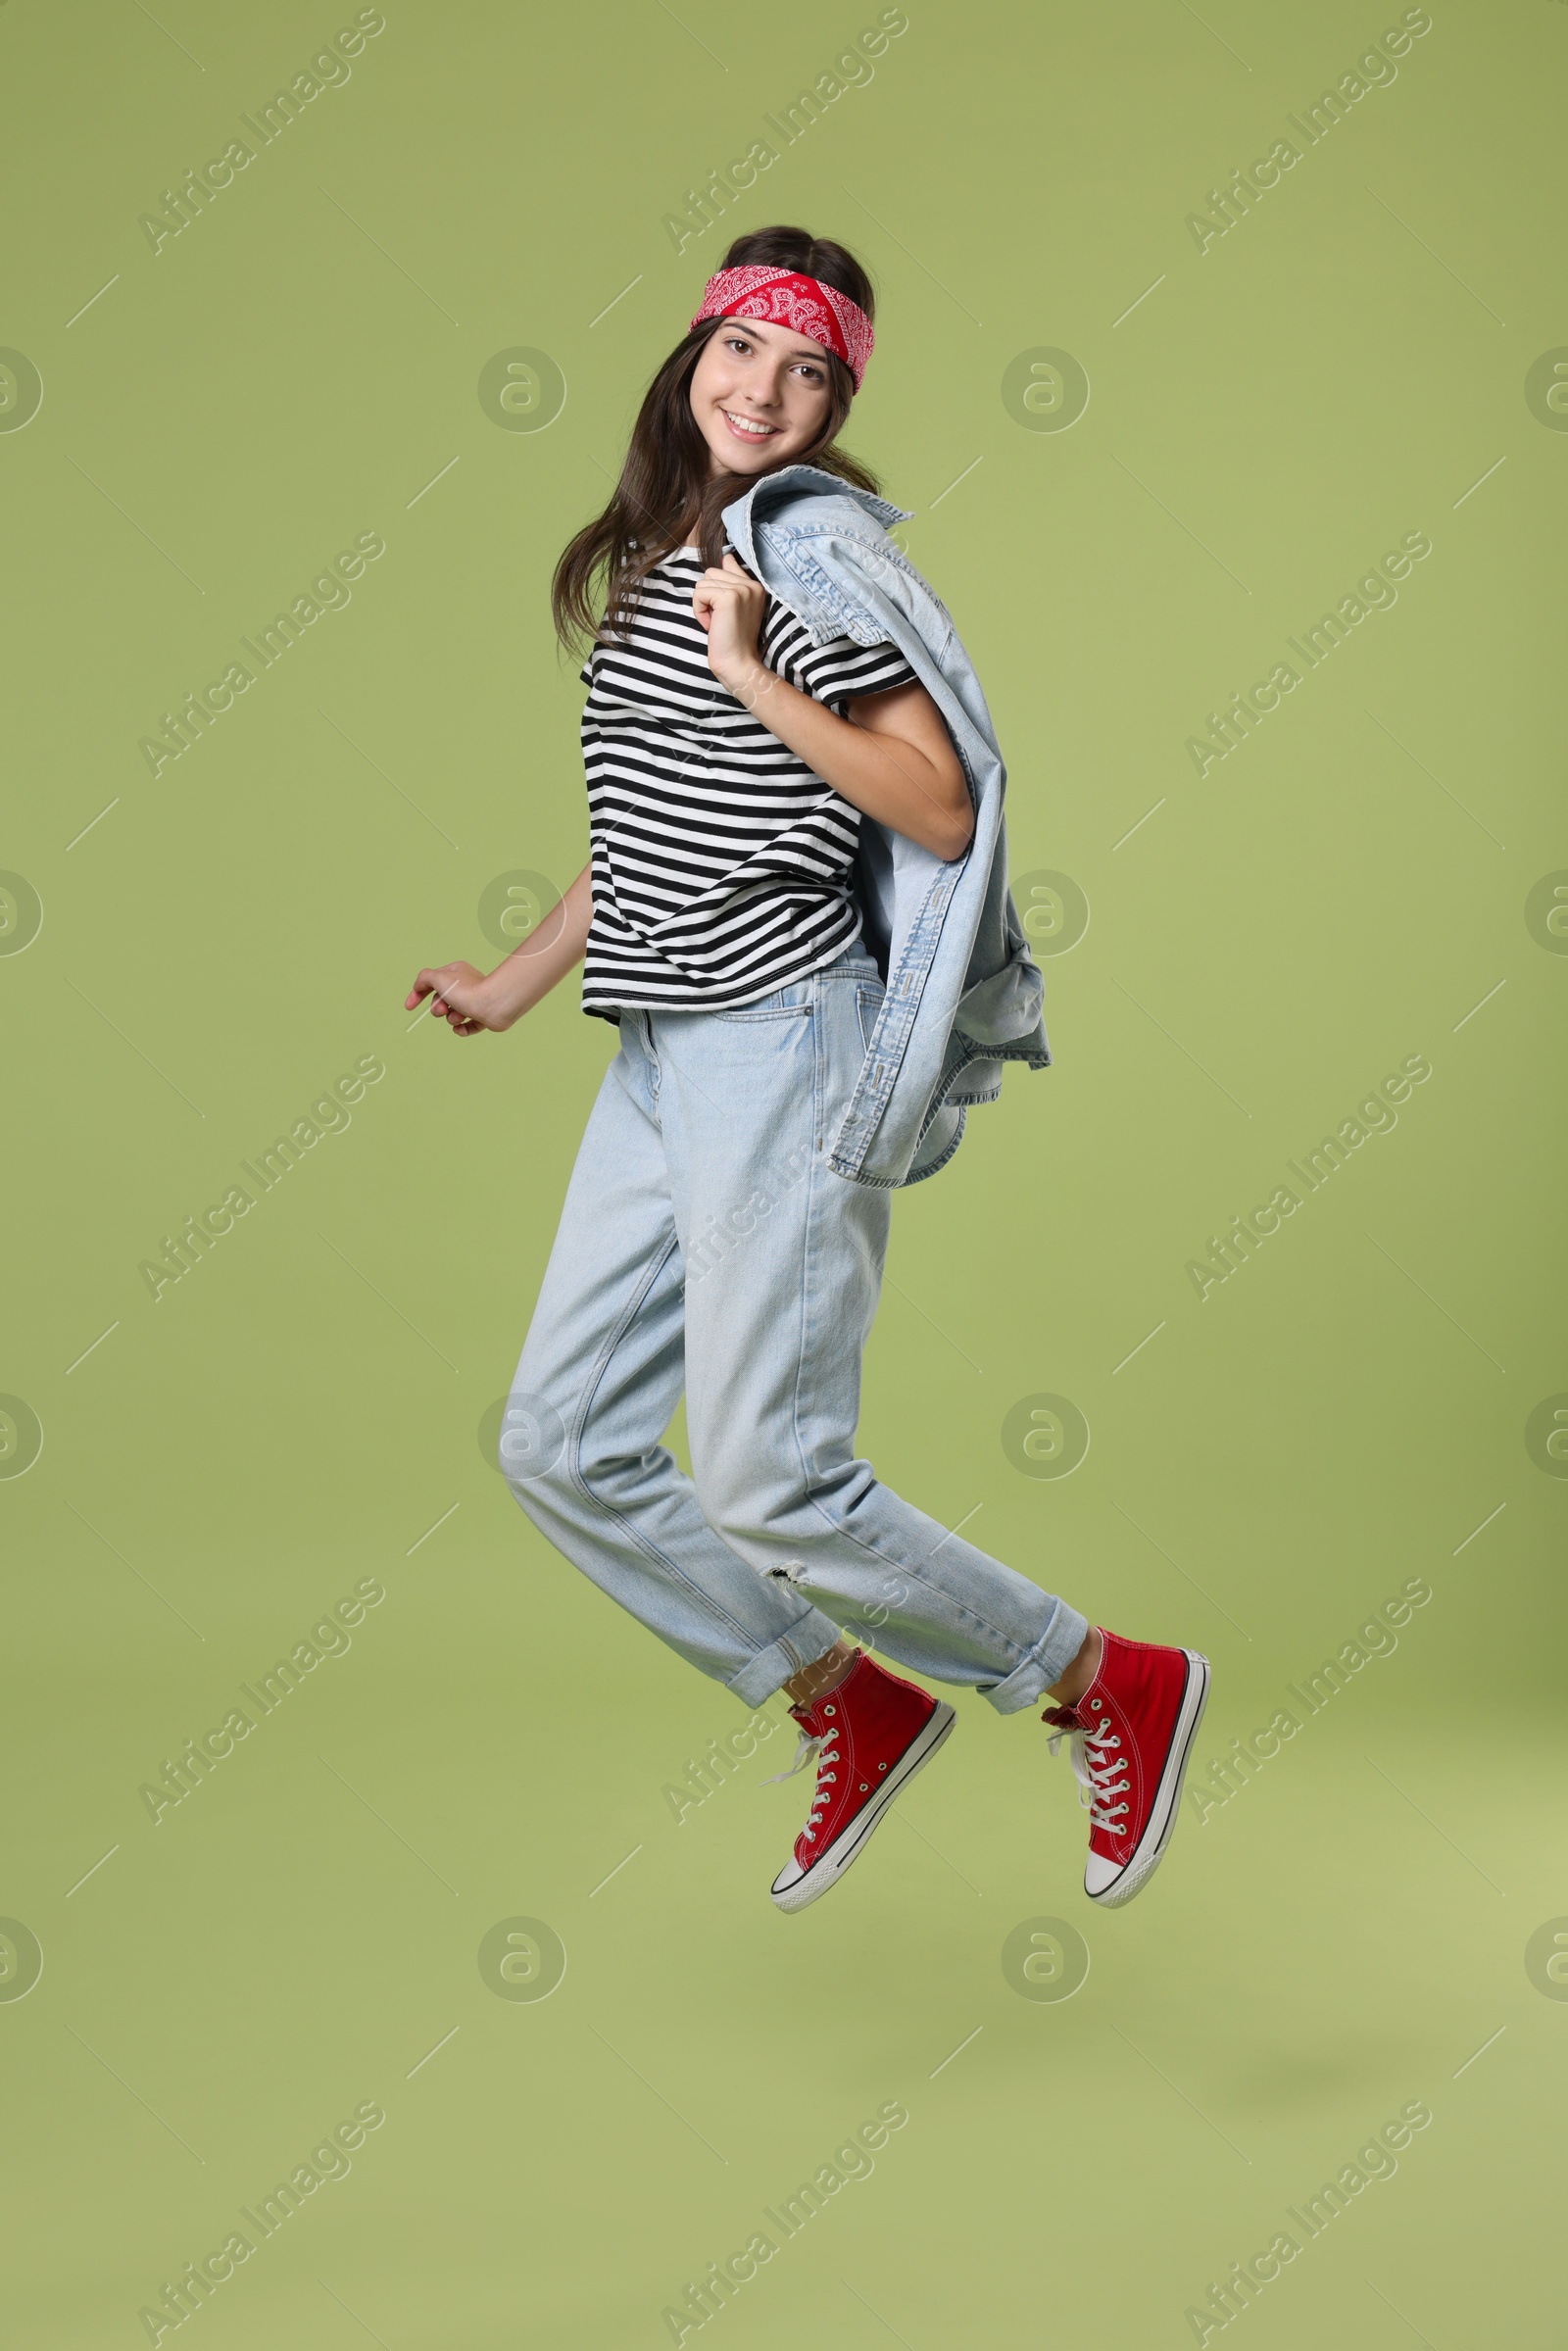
[{"x": 808, "y": 305}]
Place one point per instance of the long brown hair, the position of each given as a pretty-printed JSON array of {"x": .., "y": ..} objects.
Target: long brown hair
[{"x": 665, "y": 496}]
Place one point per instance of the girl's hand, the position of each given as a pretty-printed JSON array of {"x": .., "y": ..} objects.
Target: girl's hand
[
  {"x": 462, "y": 994},
  {"x": 731, "y": 605},
  {"x": 469, "y": 1001}
]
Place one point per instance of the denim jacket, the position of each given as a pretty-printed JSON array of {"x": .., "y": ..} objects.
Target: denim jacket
[{"x": 963, "y": 993}]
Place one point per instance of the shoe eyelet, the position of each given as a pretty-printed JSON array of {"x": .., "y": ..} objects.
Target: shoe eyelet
[
  {"x": 881, "y": 1767},
  {"x": 830, "y": 1710}
]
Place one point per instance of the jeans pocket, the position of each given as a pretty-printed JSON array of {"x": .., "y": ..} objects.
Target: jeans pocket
[
  {"x": 868, "y": 998},
  {"x": 767, "y": 1010}
]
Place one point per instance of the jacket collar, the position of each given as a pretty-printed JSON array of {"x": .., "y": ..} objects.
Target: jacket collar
[{"x": 774, "y": 491}]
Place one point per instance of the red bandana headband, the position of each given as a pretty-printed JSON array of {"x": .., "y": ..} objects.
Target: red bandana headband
[{"x": 809, "y": 305}]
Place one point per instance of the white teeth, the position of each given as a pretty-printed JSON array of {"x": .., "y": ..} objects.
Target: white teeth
[{"x": 757, "y": 432}]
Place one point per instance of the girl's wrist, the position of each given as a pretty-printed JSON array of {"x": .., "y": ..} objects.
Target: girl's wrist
[
  {"x": 510, "y": 990},
  {"x": 535, "y": 968},
  {"x": 750, "y": 683}
]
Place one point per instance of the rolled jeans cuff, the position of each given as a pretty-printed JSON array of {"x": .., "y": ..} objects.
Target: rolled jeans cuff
[
  {"x": 810, "y": 1637},
  {"x": 1059, "y": 1644}
]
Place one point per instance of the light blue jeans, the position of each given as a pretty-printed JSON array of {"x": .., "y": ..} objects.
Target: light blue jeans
[{"x": 705, "y": 1242}]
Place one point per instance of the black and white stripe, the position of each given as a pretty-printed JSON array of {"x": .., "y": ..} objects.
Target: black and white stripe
[{"x": 720, "y": 862}]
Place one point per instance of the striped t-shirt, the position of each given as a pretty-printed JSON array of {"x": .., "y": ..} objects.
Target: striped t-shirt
[{"x": 720, "y": 862}]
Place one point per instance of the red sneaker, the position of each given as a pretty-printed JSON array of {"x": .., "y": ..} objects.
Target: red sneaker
[
  {"x": 870, "y": 1735},
  {"x": 1132, "y": 1733}
]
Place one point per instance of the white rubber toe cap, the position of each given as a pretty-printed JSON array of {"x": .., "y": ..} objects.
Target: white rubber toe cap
[{"x": 1099, "y": 1875}]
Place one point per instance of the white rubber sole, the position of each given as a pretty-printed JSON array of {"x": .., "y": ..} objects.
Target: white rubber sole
[
  {"x": 1150, "y": 1850},
  {"x": 795, "y": 1893}
]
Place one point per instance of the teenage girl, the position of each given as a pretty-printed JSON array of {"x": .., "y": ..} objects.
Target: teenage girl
[{"x": 731, "y": 757}]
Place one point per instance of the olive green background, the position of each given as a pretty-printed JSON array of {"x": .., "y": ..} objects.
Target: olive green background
[{"x": 1266, "y": 418}]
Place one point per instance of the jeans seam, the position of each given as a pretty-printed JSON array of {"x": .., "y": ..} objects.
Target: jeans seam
[
  {"x": 1031, "y": 1654},
  {"x": 624, "y": 1518},
  {"x": 1016, "y": 1650}
]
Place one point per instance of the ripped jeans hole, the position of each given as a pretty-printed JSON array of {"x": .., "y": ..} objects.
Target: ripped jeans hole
[{"x": 793, "y": 1571}]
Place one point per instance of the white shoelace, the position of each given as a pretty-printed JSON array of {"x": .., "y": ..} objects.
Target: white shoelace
[
  {"x": 824, "y": 1753},
  {"x": 1096, "y": 1774}
]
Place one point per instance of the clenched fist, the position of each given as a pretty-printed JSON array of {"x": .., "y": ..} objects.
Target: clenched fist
[{"x": 731, "y": 607}]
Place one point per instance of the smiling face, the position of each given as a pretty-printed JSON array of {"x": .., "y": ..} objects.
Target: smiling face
[{"x": 761, "y": 394}]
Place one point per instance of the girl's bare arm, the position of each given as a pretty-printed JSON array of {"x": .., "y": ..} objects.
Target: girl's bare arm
[
  {"x": 471, "y": 1000},
  {"x": 891, "y": 757}
]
